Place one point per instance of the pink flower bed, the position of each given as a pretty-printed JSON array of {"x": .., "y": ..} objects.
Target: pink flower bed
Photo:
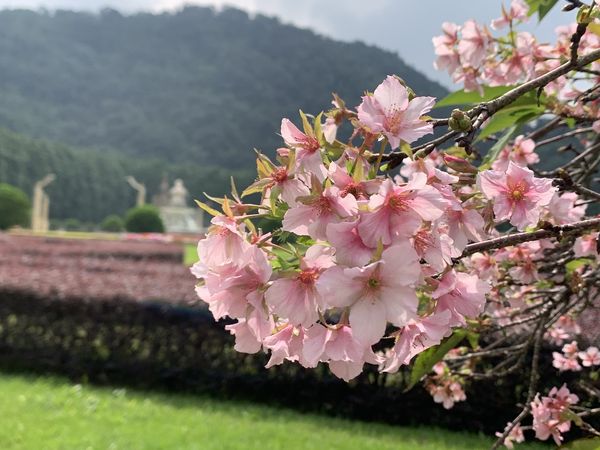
[{"x": 93, "y": 269}]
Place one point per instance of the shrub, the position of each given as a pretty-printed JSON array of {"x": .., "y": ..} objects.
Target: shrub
[
  {"x": 112, "y": 224},
  {"x": 15, "y": 208},
  {"x": 71, "y": 225},
  {"x": 144, "y": 219}
]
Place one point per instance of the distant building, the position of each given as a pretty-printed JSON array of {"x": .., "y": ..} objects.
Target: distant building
[{"x": 175, "y": 213}]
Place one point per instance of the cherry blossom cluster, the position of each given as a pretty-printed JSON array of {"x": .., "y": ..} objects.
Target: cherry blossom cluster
[
  {"x": 333, "y": 257},
  {"x": 572, "y": 359},
  {"x": 444, "y": 387},
  {"x": 474, "y": 57},
  {"x": 550, "y": 413},
  {"x": 360, "y": 256}
]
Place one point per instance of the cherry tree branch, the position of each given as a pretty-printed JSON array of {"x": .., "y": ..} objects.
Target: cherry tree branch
[
  {"x": 485, "y": 110},
  {"x": 558, "y": 231}
]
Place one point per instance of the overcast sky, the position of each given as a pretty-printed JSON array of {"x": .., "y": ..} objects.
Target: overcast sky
[{"x": 404, "y": 26}]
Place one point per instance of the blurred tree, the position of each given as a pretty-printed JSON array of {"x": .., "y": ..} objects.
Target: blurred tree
[
  {"x": 112, "y": 224},
  {"x": 15, "y": 207},
  {"x": 144, "y": 219}
]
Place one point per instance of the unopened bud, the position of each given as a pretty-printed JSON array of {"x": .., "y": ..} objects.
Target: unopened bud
[
  {"x": 457, "y": 114},
  {"x": 459, "y": 121},
  {"x": 459, "y": 164}
]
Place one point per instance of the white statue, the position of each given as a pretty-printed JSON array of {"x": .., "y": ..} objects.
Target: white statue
[
  {"x": 41, "y": 205},
  {"x": 178, "y": 194},
  {"x": 140, "y": 188}
]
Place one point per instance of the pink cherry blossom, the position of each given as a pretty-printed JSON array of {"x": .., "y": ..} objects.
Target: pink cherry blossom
[
  {"x": 586, "y": 245},
  {"x": 316, "y": 212},
  {"x": 224, "y": 243},
  {"x": 522, "y": 153},
  {"x": 397, "y": 211},
  {"x": 484, "y": 264},
  {"x": 564, "y": 328},
  {"x": 445, "y": 48},
  {"x": 296, "y": 297},
  {"x": 390, "y": 112},
  {"x": 445, "y": 388},
  {"x": 515, "y": 435},
  {"x": 548, "y": 413},
  {"x": 289, "y": 187},
  {"x": 417, "y": 336},
  {"x": 230, "y": 288},
  {"x": 330, "y": 130},
  {"x": 461, "y": 294},
  {"x": 250, "y": 332},
  {"x": 308, "y": 150},
  {"x": 517, "y": 11},
  {"x": 337, "y": 347},
  {"x": 285, "y": 344},
  {"x": 562, "y": 208},
  {"x": 436, "y": 248},
  {"x": 377, "y": 293},
  {"x": 360, "y": 189},
  {"x": 570, "y": 349},
  {"x": 590, "y": 357},
  {"x": 516, "y": 194},
  {"x": 473, "y": 44},
  {"x": 565, "y": 362},
  {"x": 349, "y": 248},
  {"x": 464, "y": 225}
]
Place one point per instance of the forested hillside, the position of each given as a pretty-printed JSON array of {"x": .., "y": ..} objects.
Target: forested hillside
[
  {"x": 91, "y": 184},
  {"x": 195, "y": 86}
]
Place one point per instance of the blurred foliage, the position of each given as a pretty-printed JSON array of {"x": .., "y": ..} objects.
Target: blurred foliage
[
  {"x": 91, "y": 184},
  {"x": 112, "y": 224},
  {"x": 144, "y": 219},
  {"x": 15, "y": 208}
]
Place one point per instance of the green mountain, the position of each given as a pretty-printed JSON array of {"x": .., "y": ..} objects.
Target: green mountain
[
  {"x": 197, "y": 85},
  {"x": 188, "y": 94}
]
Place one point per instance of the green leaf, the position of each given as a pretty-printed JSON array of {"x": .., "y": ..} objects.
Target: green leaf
[
  {"x": 497, "y": 148},
  {"x": 545, "y": 8},
  {"x": 468, "y": 98},
  {"x": 507, "y": 117},
  {"x": 257, "y": 186},
  {"x": 208, "y": 209},
  {"x": 319, "y": 130},
  {"x": 542, "y": 7},
  {"x": 308, "y": 129},
  {"x": 427, "y": 359},
  {"x": 583, "y": 444},
  {"x": 473, "y": 339},
  {"x": 572, "y": 266}
]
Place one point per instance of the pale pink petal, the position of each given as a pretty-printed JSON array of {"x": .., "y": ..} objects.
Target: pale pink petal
[{"x": 368, "y": 321}]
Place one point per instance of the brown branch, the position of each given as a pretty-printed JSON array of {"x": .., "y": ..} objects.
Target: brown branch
[
  {"x": 497, "y": 104},
  {"x": 558, "y": 231},
  {"x": 487, "y": 109},
  {"x": 533, "y": 381}
]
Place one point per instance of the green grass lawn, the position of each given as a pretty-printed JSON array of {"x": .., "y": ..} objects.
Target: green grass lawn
[
  {"x": 190, "y": 254},
  {"x": 50, "y": 413}
]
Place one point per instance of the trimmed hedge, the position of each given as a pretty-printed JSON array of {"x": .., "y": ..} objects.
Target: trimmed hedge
[{"x": 159, "y": 345}]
